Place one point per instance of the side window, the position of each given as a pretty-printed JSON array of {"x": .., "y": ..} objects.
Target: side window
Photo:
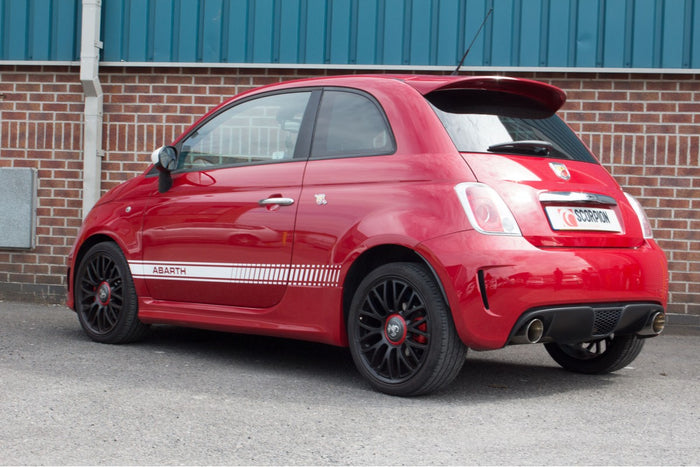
[
  {"x": 256, "y": 131},
  {"x": 350, "y": 124}
]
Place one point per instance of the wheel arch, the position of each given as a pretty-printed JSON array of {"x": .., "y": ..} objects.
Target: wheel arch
[
  {"x": 92, "y": 241},
  {"x": 378, "y": 256}
]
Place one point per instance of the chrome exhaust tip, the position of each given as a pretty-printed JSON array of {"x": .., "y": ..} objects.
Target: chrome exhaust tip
[
  {"x": 534, "y": 331},
  {"x": 658, "y": 322},
  {"x": 655, "y": 325},
  {"x": 531, "y": 333}
]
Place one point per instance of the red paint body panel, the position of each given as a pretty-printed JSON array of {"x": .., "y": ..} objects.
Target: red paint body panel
[
  {"x": 519, "y": 276},
  {"x": 206, "y": 254},
  {"x": 220, "y": 221},
  {"x": 292, "y": 318}
]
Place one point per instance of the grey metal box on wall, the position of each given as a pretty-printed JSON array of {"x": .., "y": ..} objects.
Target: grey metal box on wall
[{"x": 18, "y": 189}]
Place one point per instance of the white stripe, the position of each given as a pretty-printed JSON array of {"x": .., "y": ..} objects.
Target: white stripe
[
  {"x": 299, "y": 275},
  {"x": 236, "y": 273}
]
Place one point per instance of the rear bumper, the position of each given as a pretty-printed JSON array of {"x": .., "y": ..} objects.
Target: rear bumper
[
  {"x": 493, "y": 282},
  {"x": 573, "y": 324}
]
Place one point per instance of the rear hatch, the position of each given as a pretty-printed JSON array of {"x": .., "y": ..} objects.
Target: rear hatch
[
  {"x": 512, "y": 140},
  {"x": 587, "y": 210}
]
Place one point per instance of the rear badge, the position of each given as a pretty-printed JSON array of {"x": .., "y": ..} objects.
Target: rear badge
[{"x": 560, "y": 170}]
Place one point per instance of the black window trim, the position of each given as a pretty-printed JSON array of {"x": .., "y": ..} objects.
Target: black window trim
[
  {"x": 302, "y": 150},
  {"x": 301, "y": 153}
]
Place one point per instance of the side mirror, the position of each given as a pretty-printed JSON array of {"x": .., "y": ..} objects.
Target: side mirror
[{"x": 165, "y": 160}]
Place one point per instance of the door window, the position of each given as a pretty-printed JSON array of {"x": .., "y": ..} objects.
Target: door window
[
  {"x": 257, "y": 131},
  {"x": 350, "y": 124}
]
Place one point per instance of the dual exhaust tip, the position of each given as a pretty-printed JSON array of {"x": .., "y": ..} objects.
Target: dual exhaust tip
[{"x": 533, "y": 331}]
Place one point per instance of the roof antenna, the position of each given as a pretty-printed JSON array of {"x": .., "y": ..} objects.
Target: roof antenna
[{"x": 461, "y": 62}]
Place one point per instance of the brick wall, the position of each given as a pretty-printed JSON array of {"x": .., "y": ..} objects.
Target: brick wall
[
  {"x": 644, "y": 128},
  {"x": 40, "y": 127}
]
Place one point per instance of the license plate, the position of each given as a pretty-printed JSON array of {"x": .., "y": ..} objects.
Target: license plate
[{"x": 578, "y": 218}]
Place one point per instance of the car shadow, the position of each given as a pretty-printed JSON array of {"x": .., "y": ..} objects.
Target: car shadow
[
  {"x": 500, "y": 377},
  {"x": 514, "y": 373},
  {"x": 252, "y": 352}
]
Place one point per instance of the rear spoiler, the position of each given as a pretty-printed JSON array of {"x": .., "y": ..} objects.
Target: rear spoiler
[{"x": 546, "y": 96}]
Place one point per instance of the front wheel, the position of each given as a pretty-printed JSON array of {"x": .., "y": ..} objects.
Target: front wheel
[
  {"x": 402, "y": 337},
  {"x": 597, "y": 357},
  {"x": 105, "y": 299}
]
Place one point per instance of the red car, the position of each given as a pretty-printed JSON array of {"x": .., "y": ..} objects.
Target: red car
[{"x": 406, "y": 217}]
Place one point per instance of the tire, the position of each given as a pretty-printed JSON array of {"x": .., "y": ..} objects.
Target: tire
[
  {"x": 597, "y": 357},
  {"x": 401, "y": 334},
  {"x": 105, "y": 299}
]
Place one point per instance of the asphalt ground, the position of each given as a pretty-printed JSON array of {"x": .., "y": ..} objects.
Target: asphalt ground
[{"x": 187, "y": 396}]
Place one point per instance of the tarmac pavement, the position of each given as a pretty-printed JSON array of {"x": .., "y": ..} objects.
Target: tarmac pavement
[{"x": 186, "y": 396}]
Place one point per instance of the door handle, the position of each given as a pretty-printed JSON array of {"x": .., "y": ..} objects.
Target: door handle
[{"x": 278, "y": 201}]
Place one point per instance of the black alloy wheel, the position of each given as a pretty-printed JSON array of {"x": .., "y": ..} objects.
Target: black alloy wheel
[
  {"x": 401, "y": 333},
  {"x": 597, "y": 357},
  {"x": 105, "y": 299}
]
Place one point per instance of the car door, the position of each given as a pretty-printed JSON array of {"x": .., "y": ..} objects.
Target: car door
[
  {"x": 349, "y": 178},
  {"x": 223, "y": 233}
]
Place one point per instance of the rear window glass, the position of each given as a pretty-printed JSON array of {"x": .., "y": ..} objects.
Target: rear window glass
[{"x": 491, "y": 122}]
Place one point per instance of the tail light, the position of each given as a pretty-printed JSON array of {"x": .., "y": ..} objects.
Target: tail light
[
  {"x": 486, "y": 210},
  {"x": 643, "y": 219}
]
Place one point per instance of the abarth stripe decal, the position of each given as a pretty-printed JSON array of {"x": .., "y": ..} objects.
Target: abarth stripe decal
[{"x": 295, "y": 275}]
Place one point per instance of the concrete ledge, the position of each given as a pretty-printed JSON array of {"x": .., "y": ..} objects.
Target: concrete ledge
[
  {"x": 33, "y": 293},
  {"x": 677, "y": 319}
]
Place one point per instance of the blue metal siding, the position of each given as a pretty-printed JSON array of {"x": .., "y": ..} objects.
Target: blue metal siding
[
  {"x": 411, "y": 33},
  {"x": 691, "y": 36},
  {"x": 40, "y": 30}
]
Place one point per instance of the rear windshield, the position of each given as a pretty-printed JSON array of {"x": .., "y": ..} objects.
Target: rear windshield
[{"x": 492, "y": 122}]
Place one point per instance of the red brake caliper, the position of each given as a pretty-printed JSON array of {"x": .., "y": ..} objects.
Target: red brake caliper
[{"x": 421, "y": 339}]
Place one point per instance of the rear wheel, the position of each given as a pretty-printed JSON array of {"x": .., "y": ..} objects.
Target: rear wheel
[
  {"x": 401, "y": 333},
  {"x": 105, "y": 299},
  {"x": 597, "y": 357}
]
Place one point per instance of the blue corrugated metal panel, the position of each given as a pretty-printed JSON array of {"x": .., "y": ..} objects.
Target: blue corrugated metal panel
[
  {"x": 643, "y": 35},
  {"x": 669, "y": 52},
  {"x": 289, "y": 32},
  {"x": 691, "y": 36},
  {"x": 412, "y": 33},
  {"x": 614, "y": 26},
  {"x": 40, "y": 30}
]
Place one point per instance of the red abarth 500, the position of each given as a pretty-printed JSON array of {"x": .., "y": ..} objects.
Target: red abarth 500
[{"x": 406, "y": 217}]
